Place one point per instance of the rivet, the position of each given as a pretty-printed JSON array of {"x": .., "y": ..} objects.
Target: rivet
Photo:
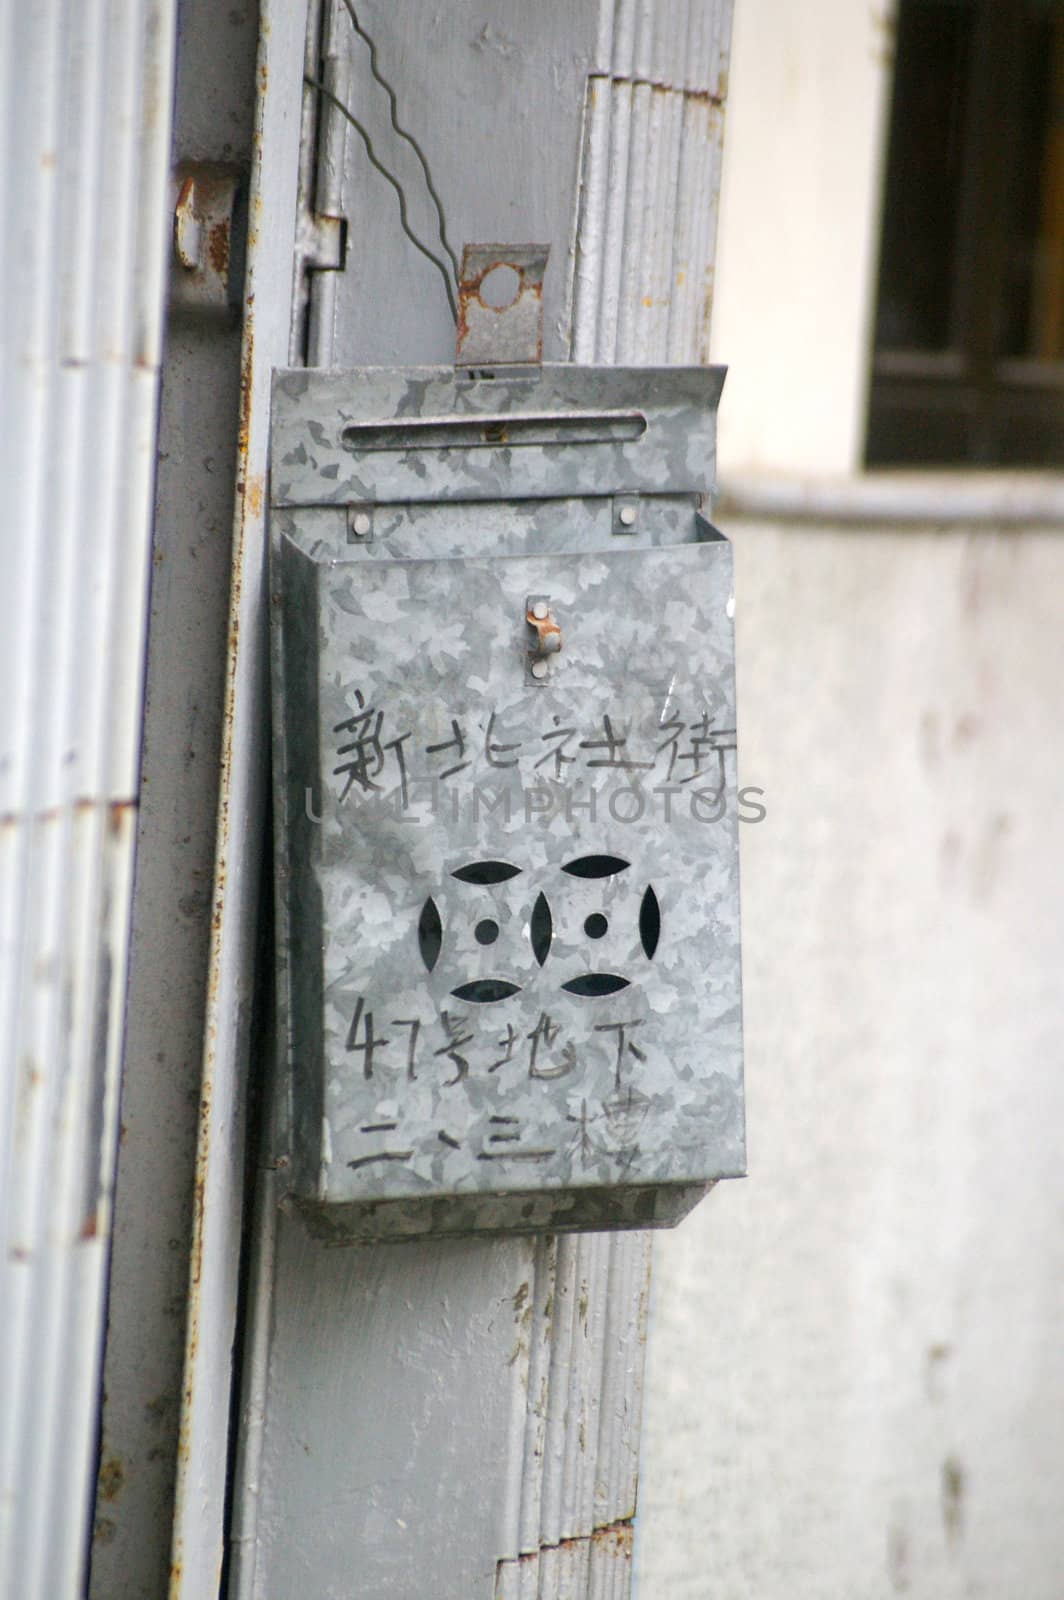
[
  {"x": 361, "y": 524},
  {"x": 540, "y": 611},
  {"x": 626, "y": 516},
  {"x": 539, "y": 669}
]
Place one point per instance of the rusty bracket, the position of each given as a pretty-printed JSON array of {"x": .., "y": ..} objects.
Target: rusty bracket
[
  {"x": 500, "y": 305},
  {"x": 548, "y": 637},
  {"x": 206, "y": 272}
]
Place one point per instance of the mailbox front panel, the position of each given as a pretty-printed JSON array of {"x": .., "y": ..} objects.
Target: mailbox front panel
[{"x": 510, "y": 902}]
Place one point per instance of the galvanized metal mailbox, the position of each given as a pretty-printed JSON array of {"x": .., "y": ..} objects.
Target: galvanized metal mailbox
[{"x": 506, "y": 829}]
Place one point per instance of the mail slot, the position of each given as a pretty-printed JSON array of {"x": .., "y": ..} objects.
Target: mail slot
[{"x": 506, "y": 830}]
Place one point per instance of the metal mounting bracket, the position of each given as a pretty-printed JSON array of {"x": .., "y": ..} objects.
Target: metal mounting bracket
[{"x": 500, "y": 305}]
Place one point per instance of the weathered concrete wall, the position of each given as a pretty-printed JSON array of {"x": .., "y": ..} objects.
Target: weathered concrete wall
[{"x": 856, "y": 1369}]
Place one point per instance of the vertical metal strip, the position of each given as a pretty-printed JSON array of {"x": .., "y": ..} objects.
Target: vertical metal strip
[
  {"x": 85, "y": 131},
  {"x": 202, "y": 1467}
]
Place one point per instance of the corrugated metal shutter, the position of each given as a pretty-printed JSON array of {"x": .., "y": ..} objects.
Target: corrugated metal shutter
[{"x": 84, "y": 128}]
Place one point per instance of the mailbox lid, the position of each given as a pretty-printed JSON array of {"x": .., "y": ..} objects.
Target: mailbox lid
[
  {"x": 462, "y": 1022},
  {"x": 407, "y": 435}
]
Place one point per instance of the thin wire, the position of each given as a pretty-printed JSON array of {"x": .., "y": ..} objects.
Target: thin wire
[
  {"x": 345, "y": 111},
  {"x": 349, "y": 6}
]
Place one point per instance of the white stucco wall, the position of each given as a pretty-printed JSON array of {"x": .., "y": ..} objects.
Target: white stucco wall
[
  {"x": 799, "y": 231},
  {"x": 856, "y": 1368}
]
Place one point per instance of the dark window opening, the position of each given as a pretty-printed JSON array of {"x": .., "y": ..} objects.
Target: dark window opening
[{"x": 968, "y": 360}]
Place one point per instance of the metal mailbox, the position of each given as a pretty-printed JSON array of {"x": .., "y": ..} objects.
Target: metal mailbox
[{"x": 506, "y": 806}]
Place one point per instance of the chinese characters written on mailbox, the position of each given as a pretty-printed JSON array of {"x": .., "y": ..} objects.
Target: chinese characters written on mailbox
[{"x": 373, "y": 759}]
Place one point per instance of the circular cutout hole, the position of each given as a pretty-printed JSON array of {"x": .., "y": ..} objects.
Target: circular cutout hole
[
  {"x": 596, "y": 925},
  {"x": 486, "y": 932},
  {"x": 500, "y": 287}
]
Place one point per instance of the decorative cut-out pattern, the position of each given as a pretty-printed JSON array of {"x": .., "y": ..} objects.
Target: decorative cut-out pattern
[{"x": 540, "y": 929}]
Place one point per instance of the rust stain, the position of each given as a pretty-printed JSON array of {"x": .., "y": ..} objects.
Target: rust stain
[
  {"x": 80, "y": 807},
  {"x": 546, "y": 631},
  {"x": 462, "y": 332},
  {"x": 659, "y": 86},
  {"x": 612, "y": 1538},
  {"x": 218, "y": 247},
  {"x": 118, "y": 811},
  {"x": 247, "y": 365},
  {"x": 469, "y": 290},
  {"x": 705, "y": 320},
  {"x": 255, "y": 495},
  {"x": 199, "y": 1200},
  {"x": 618, "y": 1538},
  {"x": 953, "y": 1489},
  {"x": 206, "y": 199},
  {"x": 112, "y": 1477}
]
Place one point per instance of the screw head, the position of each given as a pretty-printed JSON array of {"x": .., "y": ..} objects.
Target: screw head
[
  {"x": 361, "y": 524},
  {"x": 626, "y": 516},
  {"x": 539, "y": 669},
  {"x": 540, "y": 611}
]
